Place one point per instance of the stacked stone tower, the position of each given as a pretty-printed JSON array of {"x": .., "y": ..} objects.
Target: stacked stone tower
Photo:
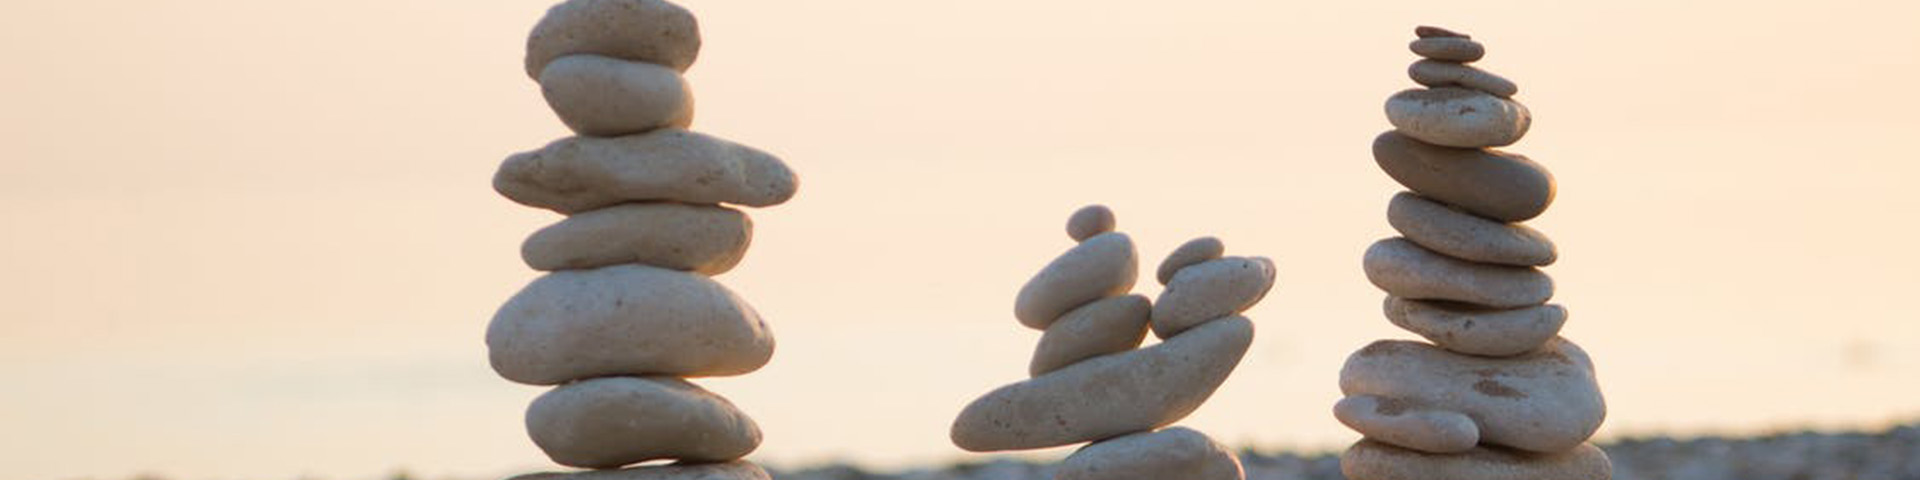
[
  {"x": 629, "y": 310},
  {"x": 1497, "y": 394},
  {"x": 1090, "y": 381}
]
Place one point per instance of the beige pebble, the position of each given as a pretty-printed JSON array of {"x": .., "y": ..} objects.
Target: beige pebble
[
  {"x": 1404, "y": 424},
  {"x": 1177, "y": 453},
  {"x": 607, "y": 97},
  {"x": 1188, "y": 254},
  {"x": 1106, "y": 326},
  {"x": 1406, "y": 270},
  {"x": 1544, "y": 401},
  {"x": 585, "y": 173},
  {"x": 1466, "y": 236},
  {"x": 617, "y": 421},
  {"x": 1435, "y": 73},
  {"x": 1501, "y": 186},
  {"x": 1089, "y": 221},
  {"x": 1452, "y": 49},
  {"x": 1457, "y": 117},
  {"x": 1478, "y": 331},
  {"x": 1103, "y": 266},
  {"x": 1210, "y": 290},
  {"x": 734, "y": 470},
  {"x": 1425, "y": 31},
  {"x": 651, "y": 31},
  {"x": 703, "y": 239},
  {"x": 1369, "y": 460}
]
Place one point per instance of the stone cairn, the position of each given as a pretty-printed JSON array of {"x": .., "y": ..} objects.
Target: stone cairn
[
  {"x": 629, "y": 310},
  {"x": 1089, "y": 380},
  {"x": 1497, "y": 394}
]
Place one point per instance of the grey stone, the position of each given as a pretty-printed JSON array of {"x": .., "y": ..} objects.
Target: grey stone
[
  {"x": 1103, "y": 266},
  {"x": 1193, "y": 252},
  {"x": 585, "y": 173},
  {"x": 1106, "y": 326},
  {"x": 608, "y": 97},
  {"x": 1369, "y": 460},
  {"x": 1478, "y": 331},
  {"x": 1466, "y": 236},
  {"x": 734, "y": 470},
  {"x": 1177, "y": 453},
  {"x": 617, "y": 421},
  {"x": 1453, "y": 49},
  {"x": 1406, "y": 270},
  {"x": 1502, "y": 186},
  {"x": 708, "y": 240},
  {"x": 1210, "y": 290},
  {"x": 1425, "y": 31},
  {"x": 1090, "y": 221},
  {"x": 1544, "y": 401},
  {"x": 1404, "y": 424},
  {"x": 651, "y": 31},
  {"x": 1458, "y": 117},
  {"x": 1435, "y": 73}
]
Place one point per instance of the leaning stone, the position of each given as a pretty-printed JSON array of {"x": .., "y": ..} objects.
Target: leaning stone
[
  {"x": 1370, "y": 460},
  {"x": 1103, "y": 266},
  {"x": 607, "y": 97},
  {"x": 1435, "y": 73},
  {"x": 1210, "y": 290},
  {"x": 617, "y": 421},
  {"x": 1404, "y": 424},
  {"x": 584, "y": 173},
  {"x": 1544, "y": 401},
  {"x": 708, "y": 240},
  {"x": 1406, "y": 270},
  {"x": 1458, "y": 117},
  {"x": 1188, "y": 254},
  {"x": 1502, "y": 186},
  {"x": 1107, "y": 326},
  {"x": 1466, "y": 236},
  {"x": 651, "y": 31},
  {"x": 1478, "y": 331},
  {"x": 1090, "y": 221},
  {"x": 1175, "y": 453},
  {"x": 1452, "y": 49},
  {"x": 734, "y": 470}
]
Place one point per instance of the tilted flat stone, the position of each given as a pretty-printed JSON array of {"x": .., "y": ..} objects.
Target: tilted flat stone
[
  {"x": 1466, "y": 236},
  {"x": 651, "y": 31},
  {"x": 1406, "y": 270},
  {"x": 735, "y": 470},
  {"x": 1543, "y": 401},
  {"x": 1090, "y": 221},
  {"x": 1400, "y": 422},
  {"x": 1100, "y": 267},
  {"x": 608, "y": 97},
  {"x": 1106, "y": 326},
  {"x": 1478, "y": 331},
  {"x": 1188, "y": 254},
  {"x": 1425, "y": 31},
  {"x": 704, "y": 239},
  {"x": 1458, "y": 117},
  {"x": 1107, "y": 396},
  {"x": 617, "y": 421},
  {"x": 1369, "y": 460},
  {"x": 1435, "y": 73},
  {"x": 1177, "y": 453},
  {"x": 1449, "y": 48},
  {"x": 585, "y": 173},
  {"x": 1210, "y": 290},
  {"x": 1502, "y": 186},
  {"x": 625, "y": 320}
]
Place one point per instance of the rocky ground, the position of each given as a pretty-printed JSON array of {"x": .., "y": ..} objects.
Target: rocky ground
[{"x": 1888, "y": 455}]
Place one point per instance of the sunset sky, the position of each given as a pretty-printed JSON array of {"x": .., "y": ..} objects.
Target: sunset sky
[{"x": 254, "y": 239}]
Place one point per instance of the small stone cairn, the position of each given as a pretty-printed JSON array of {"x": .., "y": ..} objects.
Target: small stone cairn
[
  {"x": 629, "y": 310},
  {"x": 1090, "y": 381},
  {"x": 1497, "y": 395}
]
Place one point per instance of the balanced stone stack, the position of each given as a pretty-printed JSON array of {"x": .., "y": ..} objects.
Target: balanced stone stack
[
  {"x": 1497, "y": 394},
  {"x": 1089, "y": 380},
  {"x": 629, "y": 310}
]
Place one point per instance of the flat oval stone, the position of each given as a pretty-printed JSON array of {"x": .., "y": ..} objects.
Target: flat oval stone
[
  {"x": 585, "y": 173},
  {"x": 1458, "y": 117},
  {"x": 1107, "y": 326},
  {"x": 1543, "y": 401},
  {"x": 1435, "y": 73},
  {"x": 734, "y": 470},
  {"x": 1449, "y": 48},
  {"x": 606, "y": 97},
  {"x": 1425, "y": 31},
  {"x": 617, "y": 421},
  {"x": 1502, "y": 186},
  {"x": 1175, "y": 453},
  {"x": 625, "y": 320},
  {"x": 650, "y": 31},
  {"x": 1210, "y": 290},
  {"x": 1466, "y": 236},
  {"x": 1370, "y": 460},
  {"x": 1089, "y": 221},
  {"x": 703, "y": 239},
  {"x": 1100, "y": 267},
  {"x": 1404, "y": 424},
  {"x": 1478, "y": 331},
  {"x": 1406, "y": 270},
  {"x": 1108, "y": 396},
  {"x": 1188, "y": 254}
]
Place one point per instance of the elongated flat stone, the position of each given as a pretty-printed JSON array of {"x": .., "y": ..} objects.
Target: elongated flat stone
[
  {"x": 1426, "y": 31},
  {"x": 1210, "y": 290},
  {"x": 708, "y": 240},
  {"x": 608, "y": 97},
  {"x": 1107, "y": 396},
  {"x": 1401, "y": 423},
  {"x": 1370, "y": 460},
  {"x": 1458, "y": 117},
  {"x": 584, "y": 173},
  {"x": 1435, "y": 73},
  {"x": 1100, "y": 267},
  {"x": 1448, "y": 48},
  {"x": 1188, "y": 254},
  {"x": 651, "y": 31},
  {"x": 1478, "y": 331},
  {"x": 1104, "y": 327},
  {"x": 1177, "y": 453},
  {"x": 1544, "y": 401},
  {"x": 1502, "y": 186},
  {"x": 1406, "y": 270},
  {"x": 734, "y": 470},
  {"x": 1468, "y": 237},
  {"x": 617, "y": 421}
]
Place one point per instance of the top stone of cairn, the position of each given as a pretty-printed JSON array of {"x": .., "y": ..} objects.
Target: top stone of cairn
[{"x": 651, "y": 31}]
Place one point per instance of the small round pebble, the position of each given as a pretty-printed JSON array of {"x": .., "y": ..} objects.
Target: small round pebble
[{"x": 1090, "y": 221}]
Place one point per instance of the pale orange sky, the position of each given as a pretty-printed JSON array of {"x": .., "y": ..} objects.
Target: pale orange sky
[{"x": 255, "y": 239}]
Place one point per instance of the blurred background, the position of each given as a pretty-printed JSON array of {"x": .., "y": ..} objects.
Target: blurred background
[{"x": 249, "y": 239}]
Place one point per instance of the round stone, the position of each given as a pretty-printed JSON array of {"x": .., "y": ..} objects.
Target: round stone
[
  {"x": 1497, "y": 185},
  {"x": 1473, "y": 330},
  {"x": 1468, "y": 237},
  {"x": 1104, "y": 327},
  {"x": 1543, "y": 401},
  {"x": 617, "y": 421},
  {"x": 1370, "y": 460},
  {"x": 1406, "y": 270},
  {"x": 584, "y": 173},
  {"x": 1107, "y": 396},
  {"x": 1425, "y": 31},
  {"x": 734, "y": 470},
  {"x": 1188, "y": 254},
  {"x": 1175, "y": 453},
  {"x": 606, "y": 97},
  {"x": 1401, "y": 423},
  {"x": 1090, "y": 221},
  {"x": 625, "y": 320},
  {"x": 1100, "y": 267},
  {"x": 1448, "y": 48},
  {"x": 1458, "y": 117},
  {"x": 1210, "y": 290},
  {"x": 703, "y": 239},
  {"x": 650, "y": 31},
  {"x": 1435, "y": 73}
]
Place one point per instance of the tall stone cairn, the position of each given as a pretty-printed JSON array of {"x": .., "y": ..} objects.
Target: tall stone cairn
[
  {"x": 629, "y": 310},
  {"x": 1090, "y": 380},
  {"x": 1497, "y": 395}
]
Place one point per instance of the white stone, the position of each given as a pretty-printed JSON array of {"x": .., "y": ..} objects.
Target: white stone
[
  {"x": 1188, "y": 254},
  {"x": 617, "y": 421},
  {"x": 1177, "y": 453},
  {"x": 1465, "y": 236},
  {"x": 1406, "y": 270},
  {"x": 1107, "y": 326},
  {"x": 1478, "y": 331},
  {"x": 708, "y": 240},
  {"x": 1436, "y": 73},
  {"x": 651, "y": 31},
  {"x": 1544, "y": 401},
  {"x": 1370, "y": 460},
  {"x": 1404, "y": 424},
  {"x": 607, "y": 97},
  {"x": 1089, "y": 221},
  {"x": 1210, "y": 290},
  {"x": 1103, "y": 266},
  {"x": 584, "y": 173},
  {"x": 1458, "y": 117}
]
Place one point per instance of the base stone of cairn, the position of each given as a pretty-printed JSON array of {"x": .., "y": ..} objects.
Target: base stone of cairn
[
  {"x": 628, "y": 310},
  {"x": 1497, "y": 394},
  {"x": 1091, "y": 380}
]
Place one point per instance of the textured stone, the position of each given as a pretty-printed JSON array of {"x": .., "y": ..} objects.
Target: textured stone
[
  {"x": 1103, "y": 266},
  {"x": 1478, "y": 331},
  {"x": 1090, "y": 221},
  {"x": 1188, "y": 254},
  {"x": 1498, "y": 185},
  {"x": 1435, "y": 73},
  {"x": 625, "y": 320},
  {"x": 735, "y": 470},
  {"x": 703, "y": 239},
  {"x": 1210, "y": 290},
  {"x": 585, "y": 173},
  {"x": 1458, "y": 117},
  {"x": 1401, "y": 423},
  {"x": 651, "y": 31},
  {"x": 1452, "y": 49},
  {"x": 1369, "y": 460},
  {"x": 1466, "y": 236},
  {"x": 1107, "y": 396},
  {"x": 1425, "y": 31},
  {"x": 1406, "y": 270},
  {"x": 617, "y": 421},
  {"x": 1107, "y": 326},
  {"x": 606, "y": 97},
  {"x": 1176, "y": 453},
  {"x": 1544, "y": 401}
]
